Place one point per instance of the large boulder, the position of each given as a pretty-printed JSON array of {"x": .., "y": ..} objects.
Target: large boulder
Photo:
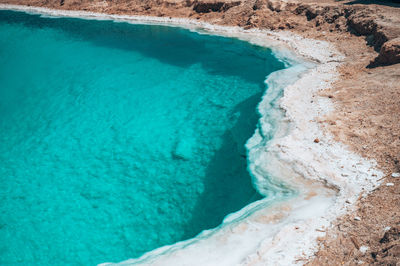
[{"x": 389, "y": 53}]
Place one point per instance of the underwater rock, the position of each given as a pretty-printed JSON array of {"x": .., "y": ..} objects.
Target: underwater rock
[{"x": 183, "y": 150}]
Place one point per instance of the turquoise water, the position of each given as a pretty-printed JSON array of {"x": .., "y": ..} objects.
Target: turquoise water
[{"x": 116, "y": 139}]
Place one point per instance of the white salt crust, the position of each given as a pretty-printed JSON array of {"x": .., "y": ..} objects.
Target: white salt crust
[{"x": 327, "y": 177}]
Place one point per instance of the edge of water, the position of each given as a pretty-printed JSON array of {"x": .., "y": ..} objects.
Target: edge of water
[{"x": 327, "y": 177}]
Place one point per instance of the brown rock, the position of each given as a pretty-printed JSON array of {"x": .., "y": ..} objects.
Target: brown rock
[
  {"x": 274, "y": 6},
  {"x": 391, "y": 235},
  {"x": 259, "y": 4},
  {"x": 389, "y": 53},
  {"x": 213, "y": 6},
  {"x": 362, "y": 24},
  {"x": 394, "y": 251}
]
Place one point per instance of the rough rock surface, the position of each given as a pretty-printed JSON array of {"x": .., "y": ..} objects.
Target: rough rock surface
[
  {"x": 389, "y": 53},
  {"x": 390, "y": 251},
  {"x": 213, "y": 6}
]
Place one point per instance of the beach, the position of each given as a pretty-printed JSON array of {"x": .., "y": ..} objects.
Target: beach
[{"x": 338, "y": 139}]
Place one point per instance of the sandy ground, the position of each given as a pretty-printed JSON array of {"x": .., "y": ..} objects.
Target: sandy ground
[
  {"x": 367, "y": 118},
  {"x": 366, "y": 97}
]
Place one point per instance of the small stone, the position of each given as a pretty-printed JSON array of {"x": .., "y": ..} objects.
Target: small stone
[
  {"x": 363, "y": 249},
  {"x": 387, "y": 228},
  {"x": 389, "y": 184},
  {"x": 396, "y": 175},
  {"x": 316, "y": 140},
  {"x": 357, "y": 218}
]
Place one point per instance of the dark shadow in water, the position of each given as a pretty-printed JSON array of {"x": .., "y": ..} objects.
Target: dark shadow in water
[
  {"x": 227, "y": 182},
  {"x": 228, "y": 186},
  {"x": 170, "y": 45}
]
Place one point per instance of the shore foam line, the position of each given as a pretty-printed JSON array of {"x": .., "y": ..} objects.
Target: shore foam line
[{"x": 327, "y": 177}]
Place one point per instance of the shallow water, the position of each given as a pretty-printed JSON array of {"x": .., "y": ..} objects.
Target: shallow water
[{"x": 116, "y": 139}]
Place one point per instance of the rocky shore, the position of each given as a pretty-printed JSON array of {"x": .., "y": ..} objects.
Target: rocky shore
[{"x": 366, "y": 96}]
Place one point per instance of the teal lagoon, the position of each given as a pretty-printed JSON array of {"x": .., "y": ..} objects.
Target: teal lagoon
[{"x": 116, "y": 139}]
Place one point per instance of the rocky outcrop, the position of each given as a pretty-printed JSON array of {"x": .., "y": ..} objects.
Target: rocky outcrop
[
  {"x": 360, "y": 21},
  {"x": 389, "y": 53},
  {"x": 213, "y": 6},
  {"x": 363, "y": 23}
]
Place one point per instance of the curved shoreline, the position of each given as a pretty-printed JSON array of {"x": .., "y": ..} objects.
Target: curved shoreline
[{"x": 293, "y": 156}]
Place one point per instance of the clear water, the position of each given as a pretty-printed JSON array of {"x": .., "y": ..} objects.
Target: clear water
[{"x": 116, "y": 139}]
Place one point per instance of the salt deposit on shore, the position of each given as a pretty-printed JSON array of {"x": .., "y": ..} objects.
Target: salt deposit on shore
[{"x": 300, "y": 155}]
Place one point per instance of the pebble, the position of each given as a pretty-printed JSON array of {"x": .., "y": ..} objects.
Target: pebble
[
  {"x": 396, "y": 175},
  {"x": 387, "y": 228},
  {"x": 389, "y": 184},
  {"x": 363, "y": 249},
  {"x": 357, "y": 218}
]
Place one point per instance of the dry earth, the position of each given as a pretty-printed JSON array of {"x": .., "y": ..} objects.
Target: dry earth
[{"x": 367, "y": 96}]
